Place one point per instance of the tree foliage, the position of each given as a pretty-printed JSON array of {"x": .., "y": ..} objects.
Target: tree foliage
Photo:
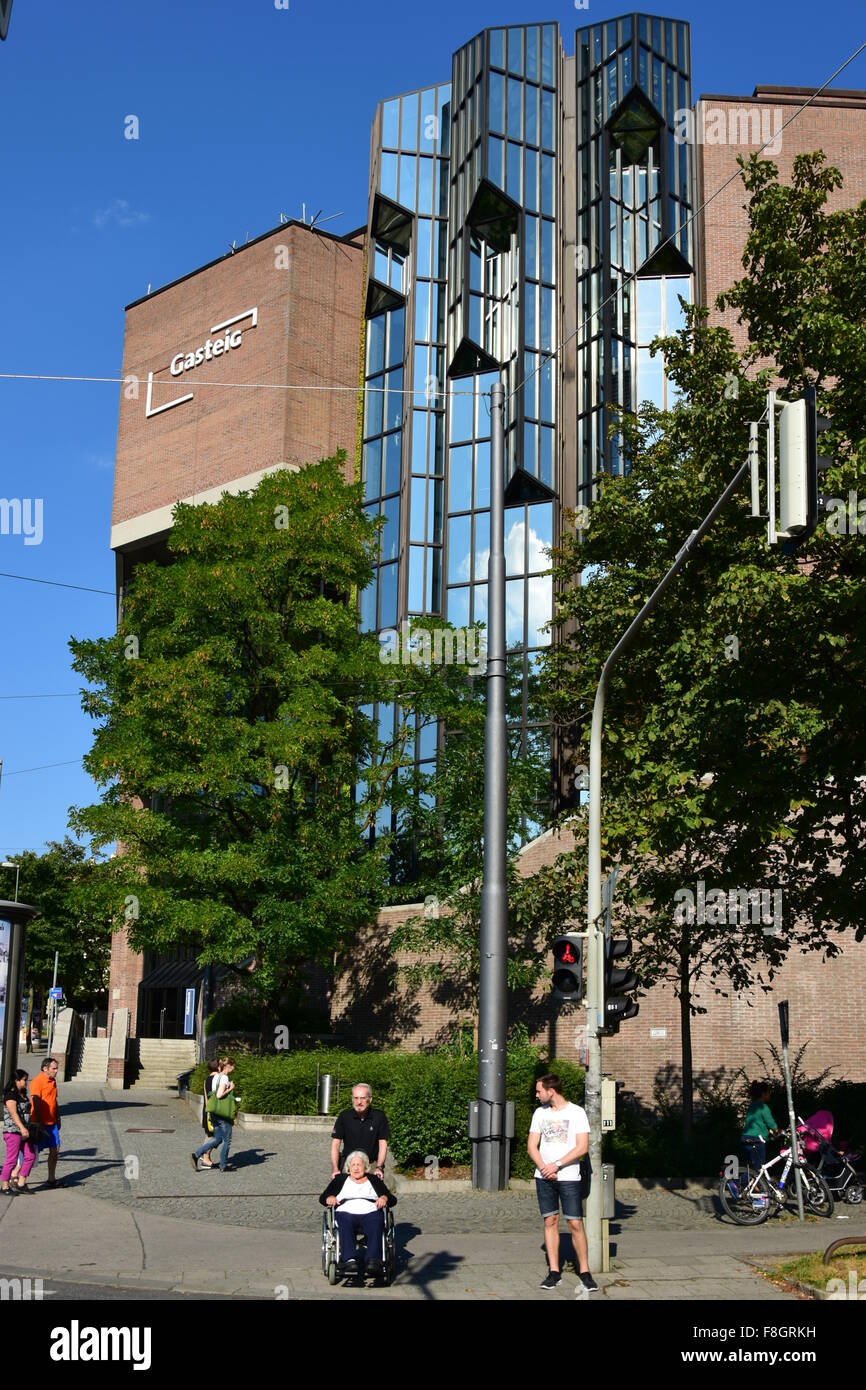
[
  {"x": 733, "y": 746},
  {"x": 231, "y": 732},
  {"x": 73, "y": 895}
]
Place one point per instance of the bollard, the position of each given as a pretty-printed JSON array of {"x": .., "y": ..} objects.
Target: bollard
[{"x": 326, "y": 1085}]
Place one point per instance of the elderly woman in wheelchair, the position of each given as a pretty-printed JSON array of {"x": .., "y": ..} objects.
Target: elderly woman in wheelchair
[{"x": 359, "y": 1201}]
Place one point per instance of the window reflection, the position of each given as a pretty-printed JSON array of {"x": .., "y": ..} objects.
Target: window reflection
[
  {"x": 459, "y": 546},
  {"x": 539, "y": 609},
  {"x": 460, "y": 479}
]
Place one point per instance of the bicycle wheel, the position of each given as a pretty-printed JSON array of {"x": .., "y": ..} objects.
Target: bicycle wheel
[
  {"x": 746, "y": 1200},
  {"x": 817, "y": 1195}
]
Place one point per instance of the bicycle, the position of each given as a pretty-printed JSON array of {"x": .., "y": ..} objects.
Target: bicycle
[{"x": 749, "y": 1198}]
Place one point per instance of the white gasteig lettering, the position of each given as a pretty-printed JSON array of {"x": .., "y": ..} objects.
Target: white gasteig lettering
[{"x": 214, "y": 347}]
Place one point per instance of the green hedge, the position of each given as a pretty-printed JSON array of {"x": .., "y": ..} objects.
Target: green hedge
[{"x": 426, "y": 1096}]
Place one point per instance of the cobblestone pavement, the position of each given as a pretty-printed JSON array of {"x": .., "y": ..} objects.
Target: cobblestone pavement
[
  {"x": 133, "y": 1214},
  {"x": 280, "y": 1175}
]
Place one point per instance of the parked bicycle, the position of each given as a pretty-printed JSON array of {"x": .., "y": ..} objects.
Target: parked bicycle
[{"x": 752, "y": 1195}]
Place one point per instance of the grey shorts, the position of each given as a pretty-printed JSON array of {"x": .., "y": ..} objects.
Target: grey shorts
[{"x": 551, "y": 1193}]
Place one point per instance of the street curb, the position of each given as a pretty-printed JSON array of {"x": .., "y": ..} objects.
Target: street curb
[
  {"x": 303, "y": 1124},
  {"x": 817, "y": 1295}
]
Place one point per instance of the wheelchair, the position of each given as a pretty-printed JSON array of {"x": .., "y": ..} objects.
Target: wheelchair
[{"x": 331, "y": 1247}]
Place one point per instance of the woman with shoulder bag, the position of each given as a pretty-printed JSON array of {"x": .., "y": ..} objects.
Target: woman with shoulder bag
[
  {"x": 18, "y": 1134},
  {"x": 211, "y": 1080},
  {"x": 222, "y": 1107}
]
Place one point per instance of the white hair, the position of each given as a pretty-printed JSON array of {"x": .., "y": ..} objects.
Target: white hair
[
  {"x": 363, "y": 1086},
  {"x": 358, "y": 1153}
]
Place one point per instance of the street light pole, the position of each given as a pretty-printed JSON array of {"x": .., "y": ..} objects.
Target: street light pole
[
  {"x": 490, "y": 1149},
  {"x": 7, "y": 864},
  {"x": 594, "y": 937}
]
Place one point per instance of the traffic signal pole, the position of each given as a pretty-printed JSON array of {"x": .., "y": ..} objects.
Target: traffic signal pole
[
  {"x": 490, "y": 1146},
  {"x": 594, "y": 935}
]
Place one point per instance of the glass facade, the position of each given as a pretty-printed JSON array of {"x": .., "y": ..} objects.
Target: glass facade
[
  {"x": 635, "y": 201},
  {"x": 482, "y": 190}
]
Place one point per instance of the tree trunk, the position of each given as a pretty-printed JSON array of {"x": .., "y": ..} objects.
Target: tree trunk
[{"x": 686, "y": 1033}]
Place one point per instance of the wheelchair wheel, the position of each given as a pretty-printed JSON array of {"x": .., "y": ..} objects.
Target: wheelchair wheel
[
  {"x": 330, "y": 1248},
  {"x": 390, "y": 1253}
]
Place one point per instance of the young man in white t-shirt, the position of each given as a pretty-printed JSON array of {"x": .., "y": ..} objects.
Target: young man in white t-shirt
[{"x": 558, "y": 1139}]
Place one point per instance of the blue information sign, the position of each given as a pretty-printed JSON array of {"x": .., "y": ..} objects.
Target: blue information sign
[{"x": 189, "y": 1014}]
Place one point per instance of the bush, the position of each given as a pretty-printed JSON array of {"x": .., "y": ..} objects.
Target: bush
[
  {"x": 426, "y": 1096},
  {"x": 428, "y": 1111}
]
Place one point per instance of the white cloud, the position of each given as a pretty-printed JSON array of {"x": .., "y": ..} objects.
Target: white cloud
[{"x": 120, "y": 214}]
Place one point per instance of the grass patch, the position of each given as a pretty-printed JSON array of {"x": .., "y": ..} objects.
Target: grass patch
[{"x": 810, "y": 1269}]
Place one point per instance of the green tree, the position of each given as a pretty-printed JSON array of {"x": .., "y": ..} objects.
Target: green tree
[
  {"x": 73, "y": 896},
  {"x": 230, "y": 734},
  {"x": 731, "y": 755}
]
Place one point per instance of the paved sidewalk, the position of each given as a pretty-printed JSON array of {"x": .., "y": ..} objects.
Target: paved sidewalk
[{"x": 135, "y": 1215}]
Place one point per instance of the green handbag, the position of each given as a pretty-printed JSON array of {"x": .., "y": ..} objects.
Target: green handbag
[{"x": 222, "y": 1107}]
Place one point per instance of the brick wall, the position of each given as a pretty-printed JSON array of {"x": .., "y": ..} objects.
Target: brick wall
[
  {"x": 307, "y": 289},
  {"x": 835, "y": 123}
]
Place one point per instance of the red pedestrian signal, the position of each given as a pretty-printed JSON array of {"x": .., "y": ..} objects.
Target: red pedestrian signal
[{"x": 568, "y": 968}]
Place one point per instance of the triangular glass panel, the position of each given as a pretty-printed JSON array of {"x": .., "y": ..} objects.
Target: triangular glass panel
[
  {"x": 667, "y": 260},
  {"x": 525, "y": 487},
  {"x": 494, "y": 216},
  {"x": 391, "y": 224},
  {"x": 634, "y": 125},
  {"x": 469, "y": 358},
  {"x": 381, "y": 297}
]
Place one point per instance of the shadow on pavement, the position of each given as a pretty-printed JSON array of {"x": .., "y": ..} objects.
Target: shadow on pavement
[
  {"x": 250, "y": 1158},
  {"x": 92, "y": 1107},
  {"x": 422, "y": 1270}
]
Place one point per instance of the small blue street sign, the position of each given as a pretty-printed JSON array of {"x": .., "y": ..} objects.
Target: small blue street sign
[{"x": 189, "y": 1014}]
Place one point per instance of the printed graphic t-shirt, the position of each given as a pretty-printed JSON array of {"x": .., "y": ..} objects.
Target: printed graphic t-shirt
[{"x": 559, "y": 1130}]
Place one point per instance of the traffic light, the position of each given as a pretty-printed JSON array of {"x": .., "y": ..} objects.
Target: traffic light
[
  {"x": 617, "y": 984},
  {"x": 800, "y": 463},
  {"x": 568, "y": 968}
]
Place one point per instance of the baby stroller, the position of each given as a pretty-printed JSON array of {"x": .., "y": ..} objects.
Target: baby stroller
[
  {"x": 331, "y": 1258},
  {"x": 836, "y": 1166}
]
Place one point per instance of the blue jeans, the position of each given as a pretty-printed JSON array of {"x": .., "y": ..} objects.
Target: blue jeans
[
  {"x": 754, "y": 1151},
  {"x": 222, "y": 1134},
  {"x": 372, "y": 1223}
]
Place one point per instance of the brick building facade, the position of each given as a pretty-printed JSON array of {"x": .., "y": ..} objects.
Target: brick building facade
[
  {"x": 728, "y": 126},
  {"x": 197, "y": 417}
]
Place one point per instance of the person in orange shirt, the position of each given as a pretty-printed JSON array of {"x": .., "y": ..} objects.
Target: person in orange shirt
[{"x": 45, "y": 1111}]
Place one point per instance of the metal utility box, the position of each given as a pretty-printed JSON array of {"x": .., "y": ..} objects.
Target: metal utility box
[{"x": 608, "y": 1104}]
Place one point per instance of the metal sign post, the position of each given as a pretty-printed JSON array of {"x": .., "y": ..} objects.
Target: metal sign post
[{"x": 792, "y": 1119}]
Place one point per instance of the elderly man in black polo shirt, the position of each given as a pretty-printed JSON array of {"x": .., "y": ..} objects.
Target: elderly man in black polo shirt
[{"x": 362, "y": 1128}]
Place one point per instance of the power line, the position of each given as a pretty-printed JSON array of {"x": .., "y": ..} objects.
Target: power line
[
  {"x": 241, "y": 385},
  {"x": 21, "y": 770},
  {"x": 65, "y": 695},
  {"x": 57, "y": 584}
]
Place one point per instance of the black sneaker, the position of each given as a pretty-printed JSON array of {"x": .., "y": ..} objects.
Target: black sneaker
[
  {"x": 552, "y": 1280},
  {"x": 588, "y": 1282}
]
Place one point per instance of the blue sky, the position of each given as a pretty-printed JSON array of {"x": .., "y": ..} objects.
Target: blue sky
[{"x": 245, "y": 111}]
